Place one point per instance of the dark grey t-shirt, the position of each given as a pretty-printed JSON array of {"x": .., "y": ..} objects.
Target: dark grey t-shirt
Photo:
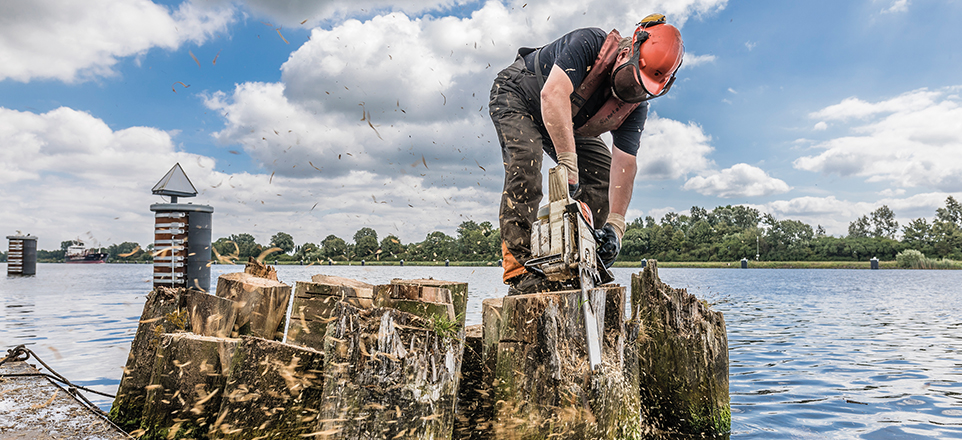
[{"x": 574, "y": 53}]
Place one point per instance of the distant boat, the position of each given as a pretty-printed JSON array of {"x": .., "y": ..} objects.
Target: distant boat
[{"x": 78, "y": 253}]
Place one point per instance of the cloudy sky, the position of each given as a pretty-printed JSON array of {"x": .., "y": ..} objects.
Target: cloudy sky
[{"x": 322, "y": 117}]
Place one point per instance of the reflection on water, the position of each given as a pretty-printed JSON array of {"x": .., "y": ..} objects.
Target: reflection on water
[{"x": 813, "y": 353}]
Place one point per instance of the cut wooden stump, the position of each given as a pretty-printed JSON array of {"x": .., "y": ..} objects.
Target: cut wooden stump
[
  {"x": 314, "y": 302},
  {"x": 163, "y": 313},
  {"x": 474, "y": 396},
  {"x": 490, "y": 336},
  {"x": 544, "y": 385},
  {"x": 458, "y": 292},
  {"x": 360, "y": 289},
  {"x": 210, "y": 315},
  {"x": 259, "y": 269},
  {"x": 261, "y": 303},
  {"x": 683, "y": 357},
  {"x": 272, "y": 391},
  {"x": 387, "y": 375},
  {"x": 433, "y": 303},
  {"x": 186, "y": 387}
]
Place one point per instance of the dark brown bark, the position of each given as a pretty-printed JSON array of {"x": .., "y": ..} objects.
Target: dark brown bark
[{"x": 314, "y": 303}]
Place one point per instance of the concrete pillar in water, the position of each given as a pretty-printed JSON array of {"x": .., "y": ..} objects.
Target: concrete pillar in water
[{"x": 22, "y": 255}]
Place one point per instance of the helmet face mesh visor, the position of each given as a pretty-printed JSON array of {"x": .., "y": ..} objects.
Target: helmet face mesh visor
[
  {"x": 626, "y": 79},
  {"x": 626, "y": 82}
]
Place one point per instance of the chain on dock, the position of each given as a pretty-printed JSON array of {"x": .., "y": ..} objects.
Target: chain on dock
[{"x": 22, "y": 353}]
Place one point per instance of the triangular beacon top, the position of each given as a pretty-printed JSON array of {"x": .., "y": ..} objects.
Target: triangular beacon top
[{"x": 175, "y": 184}]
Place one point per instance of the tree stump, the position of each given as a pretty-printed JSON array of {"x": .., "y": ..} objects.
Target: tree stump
[
  {"x": 482, "y": 417},
  {"x": 314, "y": 303},
  {"x": 259, "y": 269},
  {"x": 261, "y": 303},
  {"x": 186, "y": 387},
  {"x": 432, "y": 303},
  {"x": 474, "y": 396},
  {"x": 683, "y": 357},
  {"x": 360, "y": 289},
  {"x": 458, "y": 293},
  {"x": 163, "y": 313},
  {"x": 210, "y": 315},
  {"x": 389, "y": 374},
  {"x": 544, "y": 386},
  {"x": 272, "y": 391}
]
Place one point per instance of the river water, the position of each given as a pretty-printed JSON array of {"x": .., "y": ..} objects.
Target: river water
[{"x": 813, "y": 354}]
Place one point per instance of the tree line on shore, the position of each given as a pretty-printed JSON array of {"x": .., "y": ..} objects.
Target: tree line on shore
[{"x": 726, "y": 233}]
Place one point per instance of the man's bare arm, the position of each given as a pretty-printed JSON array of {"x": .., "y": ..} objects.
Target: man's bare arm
[
  {"x": 622, "y": 182},
  {"x": 556, "y": 114}
]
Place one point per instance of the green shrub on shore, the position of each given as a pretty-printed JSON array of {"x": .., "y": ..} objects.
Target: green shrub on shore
[{"x": 913, "y": 259}]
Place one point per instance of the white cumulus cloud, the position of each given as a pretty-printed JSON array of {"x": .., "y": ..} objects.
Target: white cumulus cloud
[
  {"x": 908, "y": 141},
  {"x": 741, "y": 180},
  {"x": 671, "y": 149},
  {"x": 692, "y": 60},
  {"x": 71, "y": 41}
]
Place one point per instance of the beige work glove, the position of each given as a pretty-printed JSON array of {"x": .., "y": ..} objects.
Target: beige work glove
[
  {"x": 570, "y": 162},
  {"x": 617, "y": 221}
]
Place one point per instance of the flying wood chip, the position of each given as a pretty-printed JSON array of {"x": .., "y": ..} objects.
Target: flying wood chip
[
  {"x": 282, "y": 37},
  {"x": 260, "y": 258},
  {"x": 136, "y": 249}
]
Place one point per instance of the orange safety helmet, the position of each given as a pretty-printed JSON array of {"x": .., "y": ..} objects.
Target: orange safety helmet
[{"x": 656, "y": 54}]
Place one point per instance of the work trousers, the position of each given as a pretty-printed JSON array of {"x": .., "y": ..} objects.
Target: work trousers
[{"x": 523, "y": 138}]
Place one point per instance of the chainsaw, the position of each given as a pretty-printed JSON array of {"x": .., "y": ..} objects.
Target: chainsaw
[{"x": 563, "y": 249}]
